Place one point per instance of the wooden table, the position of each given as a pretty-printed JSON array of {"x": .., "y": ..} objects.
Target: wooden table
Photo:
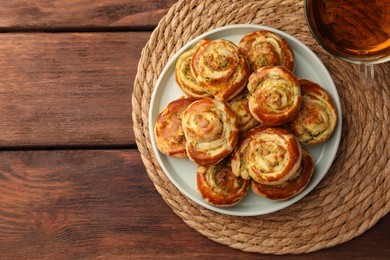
[{"x": 72, "y": 183}]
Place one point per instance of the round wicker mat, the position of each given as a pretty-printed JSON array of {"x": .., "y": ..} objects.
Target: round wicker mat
[{"x": 355, "y": 193}]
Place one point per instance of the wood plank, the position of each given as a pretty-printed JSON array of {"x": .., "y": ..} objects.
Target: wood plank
[
  {"x": 67, "y": 89},
  {"x": 87, "y": 14},
  {"x": 101, "y": 203}
]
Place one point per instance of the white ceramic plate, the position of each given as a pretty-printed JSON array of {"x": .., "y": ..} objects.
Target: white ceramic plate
[{"x": 182, "y": 172}]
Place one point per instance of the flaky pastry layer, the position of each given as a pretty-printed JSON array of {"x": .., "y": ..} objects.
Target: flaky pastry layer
[
  {"x": 291, "y": 187},
  {"x": 184, "y": 76},
  {"x": 275, "y": 95},
  {"x": 239, "y": 104},
  {"x": 267, "y": 155},
  {"x": 219, "y": 186},
  {"x": 211, "y": 131},
  {"x": 168, "y": 129},
  {"x": 265, "y": 48},
  {"x": 220, "y": 68},
  {"x": 317, "y": 117}
]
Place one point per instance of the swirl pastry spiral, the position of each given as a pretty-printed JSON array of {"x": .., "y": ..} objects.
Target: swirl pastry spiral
[
  {"x": 265, "y": 48},
  {"x": 275, "y": 95},
  {"x": 219, "y": 186},
  {"x": 239, "y": 104},
  {"x": 220, "y": 68},
  {"x": 267, "y": 155},
  {"x": 168, "y": 130},
  {"x": 317, "y": 117},
  {"x": 291, "y": 187},
  {"x": 211, "y": 131},
  {"x": 184, "y": 77}
]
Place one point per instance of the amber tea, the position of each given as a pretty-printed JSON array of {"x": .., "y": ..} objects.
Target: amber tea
[{"x": 356, "y": 30}]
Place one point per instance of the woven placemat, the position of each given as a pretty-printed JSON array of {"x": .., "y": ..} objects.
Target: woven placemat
[{"x": 352, "y": 197}]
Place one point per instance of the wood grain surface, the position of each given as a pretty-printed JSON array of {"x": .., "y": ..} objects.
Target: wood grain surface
[
  {"x": 81, "y": 14},
  {"x": 72, "y": 182},
  {"x": 87, "y": 204},
  {"x": 67, "y": 89}
]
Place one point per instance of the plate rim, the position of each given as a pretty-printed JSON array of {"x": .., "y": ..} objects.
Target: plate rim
[{"x": 276, "y": 207}]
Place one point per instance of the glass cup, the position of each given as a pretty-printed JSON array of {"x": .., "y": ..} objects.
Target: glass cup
[{"x": 357, "y": 31}]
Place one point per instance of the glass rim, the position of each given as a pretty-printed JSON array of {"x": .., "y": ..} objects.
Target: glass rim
[{"x": 353, "y": 58}]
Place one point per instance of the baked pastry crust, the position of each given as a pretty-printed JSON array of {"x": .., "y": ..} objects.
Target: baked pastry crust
[
  {"x": 275, "y": 95},
  {"x": 211, "y": 131},
  {"x": 317, "y": 117},
  {"x": 168, "y": 130},
  {"x": 267, "y": 155},
  {"x": 219, "y": 186},
  {"x": 239, "y": 104},
  {"x": 265, "y": 48},
  {"x": 184, "y": 76},
  {"x": 220, "y": 68},
  {"x": 291, "y": 187}
]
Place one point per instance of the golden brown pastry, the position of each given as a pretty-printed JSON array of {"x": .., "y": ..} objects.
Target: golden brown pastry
[
  {"x": 267, "y": 155},
  {"x": 239, "y": 104},
  {"x": 168, "y": 130},
  {"x": 275, "y": 95},
  {"x": 220, "y": 68},
  {"x": 265, "y": 48},
  {"x": 184, "y": 77},
  {"x": 317, "y": 117},
  {"x": 219, "y": 186},
  {"x": 211, "y": 131},
  {"x": 291, "y": 187}
]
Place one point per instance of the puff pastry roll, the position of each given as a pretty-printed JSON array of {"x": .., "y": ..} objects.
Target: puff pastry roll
[
  {"x": 317, "y": 117},
  {"x": 184, "y": 77},
  {"x": 211, "y": 131},
  {"x": 267, "y": 155},
  {"x": 265, "y": 48},
  {"x": 220, "y": 68},
  {"x": 275, "y": 95},
  {"x": 219, "y": 186},
  {"x": 168, "y": 130},
  {"x": 290, "y": 187},
  {"x": 239, "y": 104}
]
